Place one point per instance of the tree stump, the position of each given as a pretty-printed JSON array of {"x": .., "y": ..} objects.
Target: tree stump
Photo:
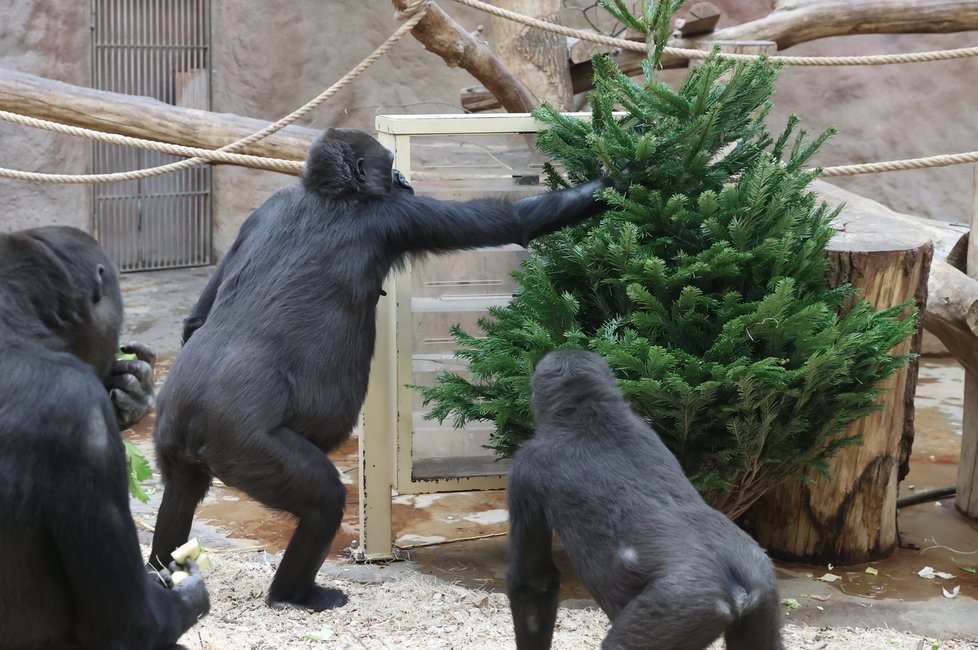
[{"x": 852, "y": 517}]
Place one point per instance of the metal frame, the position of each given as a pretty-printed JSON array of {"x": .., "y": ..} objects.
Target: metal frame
[
  {"x": 159, "y": 49},
  {"x": 385, "y": 441}
]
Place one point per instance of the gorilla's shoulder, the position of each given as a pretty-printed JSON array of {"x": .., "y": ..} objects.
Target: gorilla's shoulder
[{"x": 43, "y": 389}]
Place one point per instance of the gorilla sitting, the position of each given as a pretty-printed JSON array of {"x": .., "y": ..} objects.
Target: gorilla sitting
[
  {"x": 668, "y": 570},
  {"x": 72, "y": 575},
  {"x": 276, "y": 374}
]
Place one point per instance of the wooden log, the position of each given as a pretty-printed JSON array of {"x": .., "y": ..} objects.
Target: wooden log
[
  {"x": 441, "y": 35},
  {"x": 797, "y": 21},
  {"x": 581, "y": 51},
  {"x": 536, "y": 57},
  {"x": 852, "y": 518},
  {"x": 702, "y": 18},
  {"x": 966, "y": 497},
  {"x": 143, "y": 117}
]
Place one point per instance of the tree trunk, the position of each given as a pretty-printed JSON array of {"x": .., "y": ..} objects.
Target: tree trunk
[
  {"x": 852, "y": 518},
  {"x": 441, "y": 35},
  {"x": 966, "y": 498},
  {"x": 537, "y": 57}
]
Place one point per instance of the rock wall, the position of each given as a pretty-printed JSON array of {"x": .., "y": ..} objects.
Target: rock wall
[
  {"x": 49, "y": 39},
  {"x": 885, "y": 113}
]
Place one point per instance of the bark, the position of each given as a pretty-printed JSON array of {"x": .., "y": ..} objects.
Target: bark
[
  {"x": 537, "y": 57},
  {"x": 441, "y": 35},
  {"x": 852, "y": 518}
]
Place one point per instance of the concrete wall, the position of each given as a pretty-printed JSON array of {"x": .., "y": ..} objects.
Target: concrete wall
[{"x": 50, "y": 39}]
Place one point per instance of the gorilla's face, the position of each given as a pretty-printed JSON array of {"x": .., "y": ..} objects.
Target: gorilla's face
[{"x": 99, "y": 337}]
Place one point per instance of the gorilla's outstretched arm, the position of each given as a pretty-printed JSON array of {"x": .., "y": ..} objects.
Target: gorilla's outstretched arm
[{"x": 422, "y": 224}]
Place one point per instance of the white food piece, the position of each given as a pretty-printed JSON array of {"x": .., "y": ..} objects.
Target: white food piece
[
  {"x": 190, "y": 549},
  {"x": 204, "y": 561},
  {"x": 178, "y": 577}
]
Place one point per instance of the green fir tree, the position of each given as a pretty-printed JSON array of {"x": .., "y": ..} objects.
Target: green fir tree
[{"x": 703, "y": 285}]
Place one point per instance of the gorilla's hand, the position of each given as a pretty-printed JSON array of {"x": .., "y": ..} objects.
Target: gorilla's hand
[
  {"x": 130, "y": 384},
  {"x": 193, "y": 594}
]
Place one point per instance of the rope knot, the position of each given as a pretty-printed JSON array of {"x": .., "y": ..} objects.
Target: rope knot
[{"x": 409, "y": 8}]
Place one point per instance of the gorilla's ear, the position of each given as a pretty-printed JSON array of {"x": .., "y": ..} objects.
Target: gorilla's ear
[
  {"x": 97, "y": 293},
  {"x": 359, "y": 171}
]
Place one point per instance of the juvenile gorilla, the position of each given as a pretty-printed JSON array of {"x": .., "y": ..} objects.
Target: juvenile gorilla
[
  {"x": 277, "y": 372},
  {"x": 72, "y": 575},
  {"x": 668, "y": 570}
]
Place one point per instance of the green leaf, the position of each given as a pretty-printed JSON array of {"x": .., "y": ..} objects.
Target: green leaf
[{"x": 139, "y": 470}]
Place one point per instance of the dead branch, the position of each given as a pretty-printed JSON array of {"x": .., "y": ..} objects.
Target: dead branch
[{"x": 441, "y": 35}]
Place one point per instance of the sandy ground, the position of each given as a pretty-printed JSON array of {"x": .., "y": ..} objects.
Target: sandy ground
[{"x": 415, "y": 611}]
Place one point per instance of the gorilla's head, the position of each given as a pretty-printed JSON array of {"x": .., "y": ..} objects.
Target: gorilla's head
[
  {"x": 351, "y": 162},
  {"x": 62, "y": 284},
  {"x": 568, "y": 379}
]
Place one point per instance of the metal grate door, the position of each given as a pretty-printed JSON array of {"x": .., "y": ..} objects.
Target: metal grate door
[{"x": 158, "y": 49}]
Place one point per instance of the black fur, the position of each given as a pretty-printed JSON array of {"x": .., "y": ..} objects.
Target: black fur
[
  {"x": 72, "y": 574},
  {"x": 274, "y": 370},
  {"x": 668, "y": 570}
]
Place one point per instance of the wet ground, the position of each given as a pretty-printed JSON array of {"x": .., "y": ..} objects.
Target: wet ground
[{"x": 932, "y": 534}]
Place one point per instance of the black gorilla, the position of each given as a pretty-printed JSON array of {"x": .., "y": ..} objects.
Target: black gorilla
[
  {"x": 668, "y": 570},
  {"x": 277, "y": 372},
  {"x": 72, "y": 574}
]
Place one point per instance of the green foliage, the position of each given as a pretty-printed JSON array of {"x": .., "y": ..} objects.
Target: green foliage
[
  {"x": 703, "y": 285},
  {"x": 139, "y": 470}
]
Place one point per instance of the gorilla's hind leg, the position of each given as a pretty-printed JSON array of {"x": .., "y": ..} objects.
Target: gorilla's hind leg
[
  {"x": 671, "y": 615},
  {"x": 758, "y": 629},
  {"x": 285, "y": 471},
  {"x": 184, "y": 486}
]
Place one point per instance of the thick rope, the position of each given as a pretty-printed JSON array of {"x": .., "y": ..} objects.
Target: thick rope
[
  {"x": 636, "y": 46},
  {"x": 944, "y": 160},
  {"x": 38, "y": 177},
  {"x": 272, "y": 164}
]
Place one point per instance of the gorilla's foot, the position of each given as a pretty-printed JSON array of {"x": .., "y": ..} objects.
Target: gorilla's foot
[{"x": 316, "y": 599}]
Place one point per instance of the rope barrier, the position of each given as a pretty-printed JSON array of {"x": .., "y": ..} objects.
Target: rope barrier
[
  {"x": 687, "y": 53},
  {"x": 272, "y": 164},
  {"x": 38, "y": 177},
  {"x": 944, "y": 160}
]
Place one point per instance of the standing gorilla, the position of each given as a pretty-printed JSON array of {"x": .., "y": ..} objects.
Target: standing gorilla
[
  {"x": 72, "y": 574},
  {"x": 277, "y": 372},
  {"x": 668, "y": 570}
]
